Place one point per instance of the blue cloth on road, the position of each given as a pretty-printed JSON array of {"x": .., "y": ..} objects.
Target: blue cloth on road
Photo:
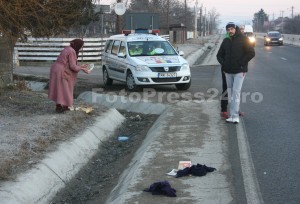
[
  {"x": 195, "y": 170},
  {"x": 161, "y": 188}
]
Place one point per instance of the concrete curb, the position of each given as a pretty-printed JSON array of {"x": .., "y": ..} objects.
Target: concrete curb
[
  {"x": 123, "y": 103},
  {"x": 40, "y": 184},
  {"x": 159, "y": 153},
  {"x": 195, "y": 55}
]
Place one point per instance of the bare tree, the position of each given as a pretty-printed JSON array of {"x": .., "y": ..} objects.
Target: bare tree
[
  {"x": 213, "y": 20},
  {"x": 38, "y": 18},
  {"x": 139, "y": 5}
]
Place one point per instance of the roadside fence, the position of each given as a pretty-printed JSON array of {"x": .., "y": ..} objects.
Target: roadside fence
[{"x": 41, "y": 50}]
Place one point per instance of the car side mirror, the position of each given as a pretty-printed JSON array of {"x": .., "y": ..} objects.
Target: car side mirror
[
  {"x": 121, "y": 55},
  {"x": 180, "y": 53}
]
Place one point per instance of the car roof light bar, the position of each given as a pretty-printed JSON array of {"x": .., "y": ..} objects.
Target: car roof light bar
[{"x": 141, "y": 31}]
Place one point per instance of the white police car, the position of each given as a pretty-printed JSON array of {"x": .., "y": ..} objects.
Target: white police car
[{"x": 143, "y": 58}]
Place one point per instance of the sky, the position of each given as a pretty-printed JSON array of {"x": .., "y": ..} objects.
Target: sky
[{"x": 241, "y": 11}]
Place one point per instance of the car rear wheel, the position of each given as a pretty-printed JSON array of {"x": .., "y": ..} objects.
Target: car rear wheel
[
  {"x": 130, "y": 83},
  {"x": 185, "y": 86},
  {"x": 106, "y": 80}
]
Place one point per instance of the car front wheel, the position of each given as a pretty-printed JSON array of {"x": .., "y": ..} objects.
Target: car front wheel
[
  {"x": 106, "y": 80},
  {"x": 130, "y": 83}
]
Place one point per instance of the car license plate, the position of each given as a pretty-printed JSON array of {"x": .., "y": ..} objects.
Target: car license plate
[{"x": 167, "y": 75}]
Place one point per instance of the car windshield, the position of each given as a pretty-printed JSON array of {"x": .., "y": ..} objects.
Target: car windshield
[
  {"x": 274, "y": 34},
  {"x": 150, "y": 48}
]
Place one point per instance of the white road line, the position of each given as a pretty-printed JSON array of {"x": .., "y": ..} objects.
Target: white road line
[
  {"x": 283, "y": 58},
  {"x": 253, "y": 194}
]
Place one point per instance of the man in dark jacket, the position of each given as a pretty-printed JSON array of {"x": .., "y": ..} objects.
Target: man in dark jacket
[{"x": 234, "y": 54}]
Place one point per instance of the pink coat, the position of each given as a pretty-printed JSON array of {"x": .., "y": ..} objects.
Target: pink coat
[{"x": 63, "y": 76}]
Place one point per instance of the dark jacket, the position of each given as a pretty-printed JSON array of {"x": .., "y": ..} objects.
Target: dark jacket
[{"x": 235, "y": 53}]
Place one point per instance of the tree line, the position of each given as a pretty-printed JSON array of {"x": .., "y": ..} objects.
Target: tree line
[{"x": 263, "y": 23}]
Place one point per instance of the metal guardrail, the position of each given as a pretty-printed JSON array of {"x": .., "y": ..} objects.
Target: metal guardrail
[{"x": 47, "y": 49}]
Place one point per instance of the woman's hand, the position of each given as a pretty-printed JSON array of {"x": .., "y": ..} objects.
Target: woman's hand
[{"x": 85, "y": 69}]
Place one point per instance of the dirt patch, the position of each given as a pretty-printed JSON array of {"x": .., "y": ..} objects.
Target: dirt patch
[{"x": 30, "y": 127}]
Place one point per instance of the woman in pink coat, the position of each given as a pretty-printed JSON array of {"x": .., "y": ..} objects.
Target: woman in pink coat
[{"x": 63, "y": 76}]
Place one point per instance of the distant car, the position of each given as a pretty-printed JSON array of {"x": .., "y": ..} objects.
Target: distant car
[
  {"x": 273, "y": 37},
  {"x": 248, "y": 31}
]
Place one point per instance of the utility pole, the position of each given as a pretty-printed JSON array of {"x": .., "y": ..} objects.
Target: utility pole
[
  {"x": 185, "y": 12},
  {"x": 168, "y": 14},
  {"x": 208, "y": 22},
  {"x": 118, "y": 22},
  {"x": 292, "y": 12},
  {"x": 201, "y": 23},
  {"x": 196, "y": 16},
  {"x": 281, "y": 13},
  {"x": 205, "y": 21}
]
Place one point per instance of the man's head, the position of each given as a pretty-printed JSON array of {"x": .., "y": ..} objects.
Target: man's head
[
  {"x": 242, "y": 29},
  {"x": 231, "y": 28}
]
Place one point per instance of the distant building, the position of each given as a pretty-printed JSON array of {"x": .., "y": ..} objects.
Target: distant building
[{"x": 141, "y": 20}]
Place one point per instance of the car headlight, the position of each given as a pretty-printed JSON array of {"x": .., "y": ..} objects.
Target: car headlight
[
  {"x": 281, "y": 39},
  {"x": 142, "y": 68},
  {"x": 268, "y": 39},
  {"x": 252, "y": 39},
  {"x": 185, "y": 67}
]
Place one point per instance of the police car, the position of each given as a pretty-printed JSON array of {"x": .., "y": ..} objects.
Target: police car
[{"x": 140, "y": 58}]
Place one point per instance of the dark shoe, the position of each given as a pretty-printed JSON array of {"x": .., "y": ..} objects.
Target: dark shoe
[
  {"x": 61, "y": 109},
  {"x": 224, "y": 115},
  {"x": 241, "y": 114}
]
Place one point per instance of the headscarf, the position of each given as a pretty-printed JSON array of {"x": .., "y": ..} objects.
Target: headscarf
[{"x": 77, "y": 44}]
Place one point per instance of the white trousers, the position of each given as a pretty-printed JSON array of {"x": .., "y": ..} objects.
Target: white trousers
[{"x": 234, "y": 87}]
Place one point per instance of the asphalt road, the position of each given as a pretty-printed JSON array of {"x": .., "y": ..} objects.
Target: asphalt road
[
  {"x": 270, "y": 99},
  {"x": 273, "y": 124}
]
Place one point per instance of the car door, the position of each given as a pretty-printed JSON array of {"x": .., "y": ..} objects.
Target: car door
[
  {"x": 113, "y": 60},
  {"x": 106, "y": 57},
  {"x": 121, "y": 69}
]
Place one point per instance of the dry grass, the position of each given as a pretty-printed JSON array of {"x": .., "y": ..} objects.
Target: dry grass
[{"x": 42, "y": 131}]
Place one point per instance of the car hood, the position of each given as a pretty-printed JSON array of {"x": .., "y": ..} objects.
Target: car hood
[{"x": 152, "y": 60}]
